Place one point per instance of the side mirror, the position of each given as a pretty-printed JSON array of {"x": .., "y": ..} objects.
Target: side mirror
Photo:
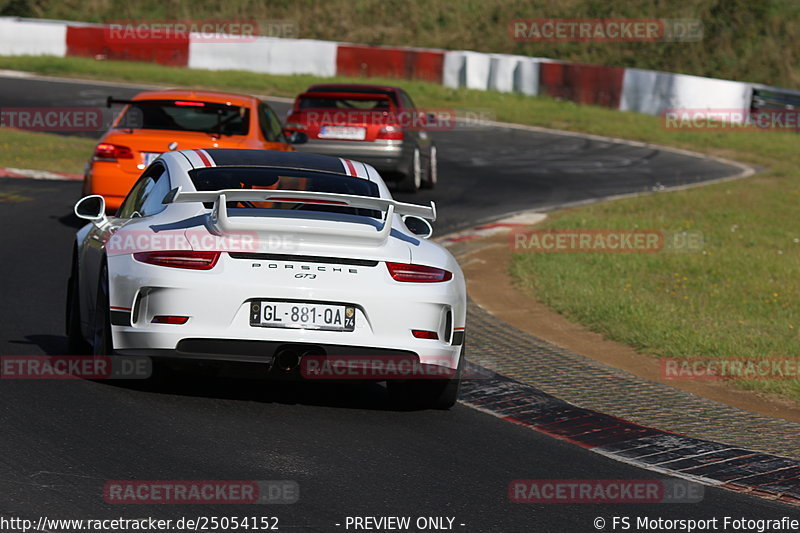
[
  {"x": 295, "y": 137},
  {"x": 91, "y": 208},
  {"x": 418, "y": 226}
]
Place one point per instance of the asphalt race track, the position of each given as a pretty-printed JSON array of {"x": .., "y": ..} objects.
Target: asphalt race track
[
  {"x": 484, "y": 172},
  {"x": 350, "y": 453}
]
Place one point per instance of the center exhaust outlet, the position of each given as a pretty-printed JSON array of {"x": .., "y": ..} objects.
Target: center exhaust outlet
[{"x": 287, "y": 360}]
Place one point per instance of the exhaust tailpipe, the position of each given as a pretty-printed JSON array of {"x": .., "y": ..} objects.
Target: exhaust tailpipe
[{"x": 287, "y": 360}]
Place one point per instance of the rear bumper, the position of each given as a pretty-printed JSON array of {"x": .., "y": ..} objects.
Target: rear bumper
[
  {"x": 107, "y": 180},
  {"x": 262, "y": 359},
  {"x": 386, "y": 156},
  {"x": 219, "y": 301},
  {"x": 249, "y": 351}
]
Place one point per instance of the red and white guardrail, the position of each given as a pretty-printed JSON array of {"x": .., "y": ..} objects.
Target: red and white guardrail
[{"x": 626, "y": 89}]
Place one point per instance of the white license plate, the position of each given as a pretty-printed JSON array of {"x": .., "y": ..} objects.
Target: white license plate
[
  {"x": 149, "y": 157},
  {"x": 350, "y": 133},
  {"x": 272, "y": 314}
]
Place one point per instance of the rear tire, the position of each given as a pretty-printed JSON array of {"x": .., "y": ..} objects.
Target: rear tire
[
  {"x": 427, "y": 393},
  {"x": 76, "y": 344},
  {"x": 102, "y": 343},
  {"x": 412, "y": 180},
  {"x": 432, "y": 172}
]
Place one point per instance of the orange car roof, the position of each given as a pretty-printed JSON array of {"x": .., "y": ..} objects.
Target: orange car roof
[{"x": 203, "y": 96}]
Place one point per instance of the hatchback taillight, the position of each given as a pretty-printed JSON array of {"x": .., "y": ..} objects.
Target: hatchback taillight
[
  {"x": 180, "y": 259},
  {"x": 417, "y": 273},
  {"x": 111, "y": 152},
  {"x": 391, "y": 132}
]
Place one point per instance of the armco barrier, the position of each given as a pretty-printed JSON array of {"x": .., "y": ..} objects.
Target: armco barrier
[
  {"x": 380, "y": 61},
  {"x": 99, "y": 42},
  {"x": 467, "y": 69},
  {"x": 494, "y": 72},
  {"x": 268, "y": 55},
  {"x": 642, "y": 91},
  {"x": 651, "y": 92},
  {"x": 509, "y": 73},
  {"x": 32, "y": 37},
  {"x": 585, "y": 84}
]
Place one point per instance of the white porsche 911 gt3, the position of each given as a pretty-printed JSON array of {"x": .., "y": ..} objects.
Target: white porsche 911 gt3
[{"x": 300, "y": 262}]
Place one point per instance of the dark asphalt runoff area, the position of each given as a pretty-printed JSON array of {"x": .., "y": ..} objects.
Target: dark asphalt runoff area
[{"x": 349, "y": 451}]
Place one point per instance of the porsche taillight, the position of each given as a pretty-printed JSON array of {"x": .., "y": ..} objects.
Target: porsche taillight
[
  {"x": 425, "y": 334},
  {"x": 111, "y": 152},
  {"x": 170, "y": 319},
  {"x": 192, "y": 260},
  {"x": 418, "y": 273}
]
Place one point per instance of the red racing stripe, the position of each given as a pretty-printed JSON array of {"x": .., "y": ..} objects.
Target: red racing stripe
[
  {"x": 351, "y": 170},
  {"x": 205, "y": 158}
]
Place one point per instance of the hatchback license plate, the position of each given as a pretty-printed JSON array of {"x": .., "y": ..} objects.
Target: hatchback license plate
[
  {"x": 272, "y": 314},
  {"x": 350, "y": 133}
]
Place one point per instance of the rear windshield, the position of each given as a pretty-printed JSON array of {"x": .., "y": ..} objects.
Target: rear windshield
[
  {"x": 364, "y": 90},
  {"x": 357, "y": 104},
  {"x": 179, "y": 115},
  {"x": 219, "y": 178}
]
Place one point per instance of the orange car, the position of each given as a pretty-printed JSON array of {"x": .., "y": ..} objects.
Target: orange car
[{"x": 158, "y": 121}]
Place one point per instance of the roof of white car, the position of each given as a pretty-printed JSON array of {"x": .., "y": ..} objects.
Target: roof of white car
[{"x": 219, "y": 157}]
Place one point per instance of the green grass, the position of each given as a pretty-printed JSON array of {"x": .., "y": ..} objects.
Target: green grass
[
  {"x": 741, "y": 298},
  {"x": 42, "y": 151},
  {"x": 743, "y": 39}
]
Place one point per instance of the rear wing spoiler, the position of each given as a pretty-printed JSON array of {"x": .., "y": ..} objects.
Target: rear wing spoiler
[{"x": 219, "y": 213}]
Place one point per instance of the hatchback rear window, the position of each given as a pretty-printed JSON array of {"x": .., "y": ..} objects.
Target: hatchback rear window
[
  {"x": 186, "y": 115},
  {"x": 354, "y": 89},
  {"x": 353, "y": 104}
]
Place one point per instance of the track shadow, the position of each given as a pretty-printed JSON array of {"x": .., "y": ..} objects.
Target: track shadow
[
  {"x": 250, "y": 383},
  {"x": 260, "y": 387},
  {"x": 49, "y": 344},
  {"x": 70, "y": 220}
]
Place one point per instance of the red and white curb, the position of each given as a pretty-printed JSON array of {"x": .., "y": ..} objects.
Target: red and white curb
[
  {"x": 500, "y": 226},
  {"x": 38, "y": 174},
  {"x": 707, "y": 462}
]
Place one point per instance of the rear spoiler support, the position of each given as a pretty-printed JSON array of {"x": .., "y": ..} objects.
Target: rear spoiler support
[{"x": 221, "y": 221}]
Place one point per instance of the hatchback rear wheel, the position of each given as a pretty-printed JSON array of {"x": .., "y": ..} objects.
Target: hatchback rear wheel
[{"x": 412, "y": 180}]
